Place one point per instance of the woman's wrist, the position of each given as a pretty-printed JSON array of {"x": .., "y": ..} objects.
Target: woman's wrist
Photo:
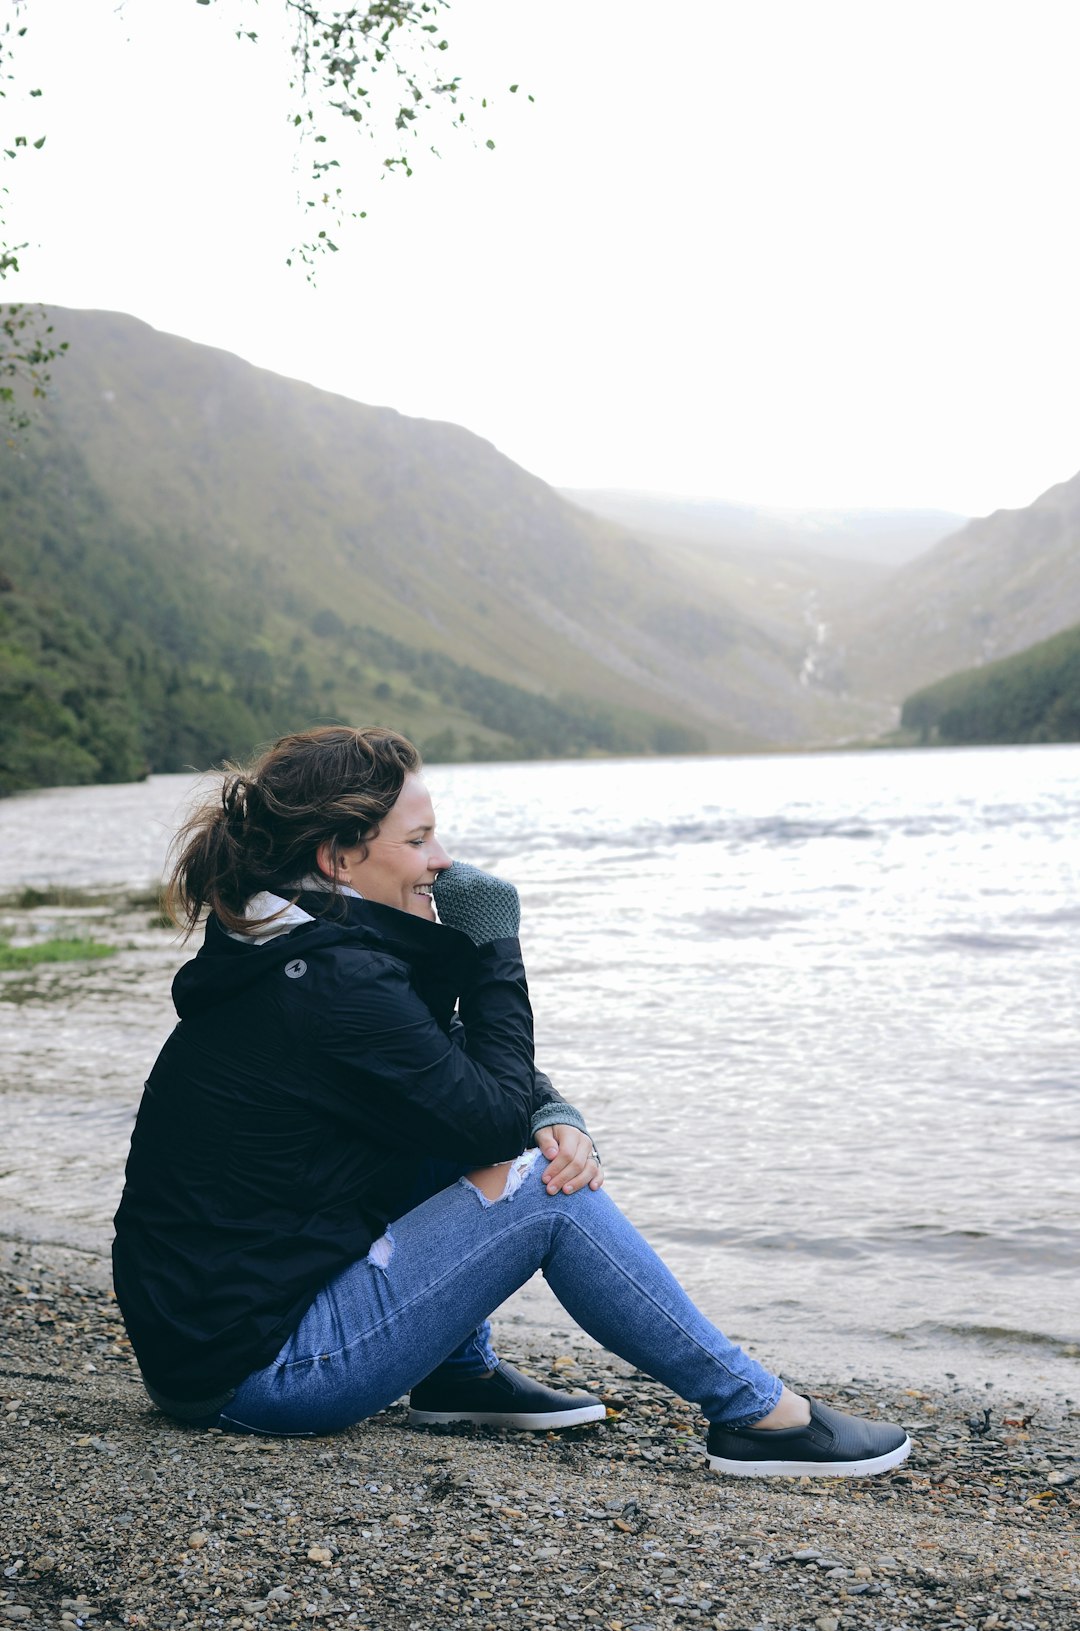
[{"x": 556, "y": 1114}]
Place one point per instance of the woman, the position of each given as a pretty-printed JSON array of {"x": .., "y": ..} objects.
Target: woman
[{"x": 345, "y": 1158}]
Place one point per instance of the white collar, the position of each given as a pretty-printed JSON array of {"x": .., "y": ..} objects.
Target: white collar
[{"x": 284, "y": 914}]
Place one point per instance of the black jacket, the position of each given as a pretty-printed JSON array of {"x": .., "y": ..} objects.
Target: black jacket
[{"x": 283, "y": 1123}]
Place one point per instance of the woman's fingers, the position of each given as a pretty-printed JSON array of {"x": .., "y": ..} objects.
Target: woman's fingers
[
  {"x": 575, "y": 1165},
  {"x": 547, "y": 1143}
]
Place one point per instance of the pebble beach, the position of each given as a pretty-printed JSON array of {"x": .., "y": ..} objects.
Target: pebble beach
[{"x": 111, "y": 1515}]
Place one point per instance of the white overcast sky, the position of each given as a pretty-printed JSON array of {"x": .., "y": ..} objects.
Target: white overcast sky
[{"x": 791, "y": 252}]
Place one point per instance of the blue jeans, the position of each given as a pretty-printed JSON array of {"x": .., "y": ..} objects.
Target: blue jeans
[{"x": 425, "y": 1290}]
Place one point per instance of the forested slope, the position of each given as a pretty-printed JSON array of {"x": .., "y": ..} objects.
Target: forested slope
[{"x": 1033, "y": 696}]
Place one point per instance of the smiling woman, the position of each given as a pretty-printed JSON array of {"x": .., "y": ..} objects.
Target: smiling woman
[
  {"x": 345, "y": 1156},
  {"x": 399, "y": 860}
]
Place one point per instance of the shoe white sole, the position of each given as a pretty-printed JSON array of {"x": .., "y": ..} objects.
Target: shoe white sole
[
  {"x": 812, "y": 1469},
  {"x": 534, "y": 1421}
]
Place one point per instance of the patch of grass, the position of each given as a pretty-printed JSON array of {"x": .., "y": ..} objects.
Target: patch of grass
[
  {"x": 51, "y": 951},
  {"x": 28, "y": 899}
]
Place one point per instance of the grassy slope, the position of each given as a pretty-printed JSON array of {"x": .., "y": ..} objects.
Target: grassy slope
[
  {"x": 417, "y": 528},
  {"x": 997, "y": 586},
  {"x": 122, "y": 648}
]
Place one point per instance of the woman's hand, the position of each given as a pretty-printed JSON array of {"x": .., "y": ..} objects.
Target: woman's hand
[{"x": 571, "y": 1158}]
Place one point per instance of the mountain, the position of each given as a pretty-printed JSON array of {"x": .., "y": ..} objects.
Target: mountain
[
  {"x": 125, "y": 647},
  {"x": 882, "y": 538},
  {"x": 198, "y": 554},
  {"x": 1033, "y": 696},
  {"x": 998, "y": 585}
]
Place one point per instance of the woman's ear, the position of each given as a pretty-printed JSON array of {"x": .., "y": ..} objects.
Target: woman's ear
[{"x": 326, "y": 862}]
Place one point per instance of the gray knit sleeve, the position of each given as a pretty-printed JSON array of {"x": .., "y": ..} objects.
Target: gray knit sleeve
[{"x": 556, "y": 1113}]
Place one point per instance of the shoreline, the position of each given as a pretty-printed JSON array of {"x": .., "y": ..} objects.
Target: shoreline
[{"x": 114, "y": 1516}]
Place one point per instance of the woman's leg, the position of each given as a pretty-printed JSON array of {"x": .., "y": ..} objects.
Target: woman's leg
[
  {"x": 381, "y": 1326},
  {"x": 475, "y": 1356}
]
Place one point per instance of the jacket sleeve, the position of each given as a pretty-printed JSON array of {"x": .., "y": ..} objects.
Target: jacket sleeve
[
  {"x": 383, "y": 1064},
  {"x": 549, "y": 1106}
]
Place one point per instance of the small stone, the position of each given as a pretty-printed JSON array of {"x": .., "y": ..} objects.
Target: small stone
[
  {"x": 808, "y": 1555},
  {"x": 198, "y": 1539},
  {"x": 320, "y": 1554},
  {"x": 827, "y": 1622},
  {"x": 16, "y": 1611}
]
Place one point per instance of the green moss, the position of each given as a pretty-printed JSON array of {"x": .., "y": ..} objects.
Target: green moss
[{"x": 51, "y": 951}]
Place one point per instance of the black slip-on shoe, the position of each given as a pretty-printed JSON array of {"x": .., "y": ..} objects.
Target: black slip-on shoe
[
  {"x": 502, "y": 1398},
  {"x": 833, "y": 1446}
]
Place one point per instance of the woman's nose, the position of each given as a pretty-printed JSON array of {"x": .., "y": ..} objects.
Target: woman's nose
[{"x": 439, "y": 859}]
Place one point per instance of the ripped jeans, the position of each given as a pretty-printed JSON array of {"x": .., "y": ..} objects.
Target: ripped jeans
[{"x": 424, "y": 1291}]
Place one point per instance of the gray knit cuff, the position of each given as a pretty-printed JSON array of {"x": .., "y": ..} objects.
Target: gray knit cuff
[{"x": 555, "y": 1113}]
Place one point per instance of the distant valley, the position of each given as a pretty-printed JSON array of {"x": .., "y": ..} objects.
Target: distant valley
[{"x": 884, "y": 538}]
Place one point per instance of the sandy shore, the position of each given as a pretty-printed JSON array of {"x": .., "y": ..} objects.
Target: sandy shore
[{"x": 112, "y": 1516}]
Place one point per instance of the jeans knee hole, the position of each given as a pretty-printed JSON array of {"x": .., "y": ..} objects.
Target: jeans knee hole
[{"x": 381, "y": 1251}]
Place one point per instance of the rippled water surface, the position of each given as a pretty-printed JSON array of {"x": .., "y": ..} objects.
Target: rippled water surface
[{"x": 821, "y": 1013}]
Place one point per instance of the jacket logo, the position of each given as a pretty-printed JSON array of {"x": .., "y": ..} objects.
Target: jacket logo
[{"x": 296, "y": 969}]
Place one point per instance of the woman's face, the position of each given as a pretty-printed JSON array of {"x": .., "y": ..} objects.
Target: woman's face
[{"x": 402, "y": 860}]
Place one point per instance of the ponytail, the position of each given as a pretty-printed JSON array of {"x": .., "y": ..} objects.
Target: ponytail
[{"x": 263, "y": 828}]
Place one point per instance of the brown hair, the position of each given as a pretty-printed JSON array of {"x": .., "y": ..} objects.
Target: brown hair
[{"x": 262, "y": 831}]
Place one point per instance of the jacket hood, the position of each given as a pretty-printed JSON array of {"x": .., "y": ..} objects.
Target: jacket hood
[{"x": 224, "y": 967}]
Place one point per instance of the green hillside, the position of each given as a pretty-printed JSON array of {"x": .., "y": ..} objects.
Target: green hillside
[
  {"x": 200, "y": 554},
  {"x": 419, "y": 529},
  {"x": 1033, "y": 696},
  {"x": 125, "y": 649}
]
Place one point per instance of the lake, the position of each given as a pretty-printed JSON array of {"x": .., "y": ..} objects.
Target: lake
[{"x": 820, "y": 1012}]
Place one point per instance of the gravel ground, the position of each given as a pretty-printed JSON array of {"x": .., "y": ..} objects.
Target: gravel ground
[{"x": 112, "y": 1516}]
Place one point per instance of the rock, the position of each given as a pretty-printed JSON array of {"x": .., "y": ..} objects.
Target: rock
[
  {"x": 827, "y": 1622},
  {"x": 16, "y": 1611}
]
